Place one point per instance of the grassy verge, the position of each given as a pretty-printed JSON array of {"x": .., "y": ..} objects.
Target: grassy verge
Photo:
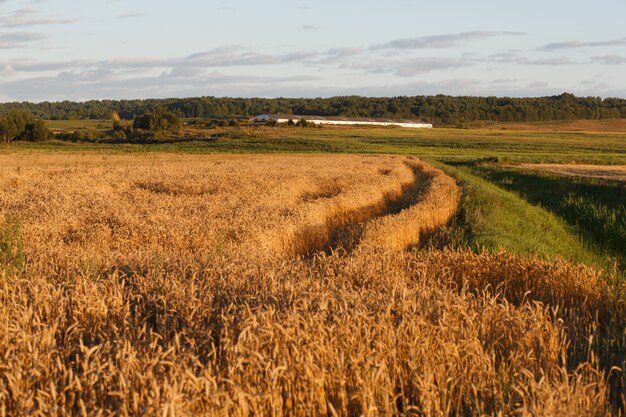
[
  {"x": 595, "y": 209},
  {"x": 492, "y": 218}
]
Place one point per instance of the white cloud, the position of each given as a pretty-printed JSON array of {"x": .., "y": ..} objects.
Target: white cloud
[
  {"x": 424, "y": 65},
  {"x": 398, "y": 67},
  {"x": 107, "y": 84},
  {"x": 131, "y": 15},
  {"x": 9, "y": 40},
  {"x": 578, "y": 44},
  {"x": 610, "y": 59},
  {"x": 442, "y": 41},
  {"x": 518, "y": 59},
  {"x": 30, "y": 17}
]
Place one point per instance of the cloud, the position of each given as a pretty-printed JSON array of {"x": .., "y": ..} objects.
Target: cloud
[
  {"x": 441, "y": 41},
  {"x": 142, "y": 77},
  {"x": 514, "y": 58},
  {"x": 6, "y": 70},
  {"x": 344, "y": 52},
  {"x": 190, "y": 82},
  {"x": 131, "y": 15},
  {"x": 424, "y": 65},
  {"x": 339, "y": 55},
  {"x": 610, "y": 59},
  {"x": 562, "y": 60},
  {"x": 577, "y": 44},
  {"x": 106, "y": 84},
  {"x": 407, "y": 67},
  {"x": 311, "y": 27},
  {"x": 29, "y": 65},
  {"x": 29, "y": 17},
  {"x": 421, "y": 65},
  {"x": 9, "y": 40},
  {"x": 231, "y": 56},
  {"x": 394, "y": 68}
]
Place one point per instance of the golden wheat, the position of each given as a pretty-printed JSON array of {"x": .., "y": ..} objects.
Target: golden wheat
[
  {"x": 111, "y": 210},
  {"x": 436, "y": 206},
  {"x": 174, "y": 285}
]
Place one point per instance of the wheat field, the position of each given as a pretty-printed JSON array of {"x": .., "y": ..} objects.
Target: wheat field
[{"x": 179, "y": 285}]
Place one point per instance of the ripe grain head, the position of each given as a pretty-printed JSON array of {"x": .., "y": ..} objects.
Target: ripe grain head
[{"x": 149, "y": 288}]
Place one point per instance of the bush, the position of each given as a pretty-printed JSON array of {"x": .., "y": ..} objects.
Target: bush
[
  {"x": 83, "y": 135},
  {"x": 19, "y": 125},
  {"x": 164, "y": 122},
  {"x": 119, "y": 135},
  {"x": 36, "y": 132},
  {"x": 169, "y": 122}
]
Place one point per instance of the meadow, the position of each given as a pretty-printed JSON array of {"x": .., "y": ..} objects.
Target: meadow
[
  {"x": 416, "y": 277},
  {"x": 518, "y": 146}
]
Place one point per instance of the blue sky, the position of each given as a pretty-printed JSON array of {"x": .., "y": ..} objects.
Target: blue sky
[{"x": 62, "y": 49}]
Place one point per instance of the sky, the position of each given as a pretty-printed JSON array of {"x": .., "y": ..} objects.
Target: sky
[{"x": 52, "y": 50}]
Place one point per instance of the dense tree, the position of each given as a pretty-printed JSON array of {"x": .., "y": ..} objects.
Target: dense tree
[
  {"x": 158, "y": 120},
  {"x": 36, "y": 131},
  {"x": 438, "y": 109},
  {"x": 21, "y": 125}
]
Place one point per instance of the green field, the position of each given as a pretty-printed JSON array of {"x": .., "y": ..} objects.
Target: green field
[
  {"x": 449, "y": 144},
  {"x": 61, "y": 125}
]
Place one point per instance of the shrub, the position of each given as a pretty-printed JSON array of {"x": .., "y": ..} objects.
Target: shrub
[
  {"x": 165, "y": 122},
  {"x": 84, "y": 135},
  {"x": 36, "y": 132},
  {"x": 19, "y": 125}
]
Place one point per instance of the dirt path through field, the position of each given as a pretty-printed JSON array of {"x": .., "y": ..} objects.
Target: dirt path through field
[{"x": 607, "y": 172}]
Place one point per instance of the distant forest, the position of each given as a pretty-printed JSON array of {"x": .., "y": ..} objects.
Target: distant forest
[{"x": 438, "y": 109}]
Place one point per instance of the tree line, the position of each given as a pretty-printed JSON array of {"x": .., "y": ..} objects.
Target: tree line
[{"x": 438, "y": 109}]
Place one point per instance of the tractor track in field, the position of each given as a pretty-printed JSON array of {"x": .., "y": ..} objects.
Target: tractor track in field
[{"x": 396, "y": 222}]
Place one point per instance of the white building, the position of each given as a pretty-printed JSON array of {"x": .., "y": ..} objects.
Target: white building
[{"x": 328, "y": 120}]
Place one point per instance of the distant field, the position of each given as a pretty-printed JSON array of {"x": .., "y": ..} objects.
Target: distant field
[
  {"x": 598, "y": 126},
  {"x": 453, "y": 144},
  {"x": 62, "y": 125},
  {"x": 602, "y": 125},
  {"x": 605, "y": 172}
]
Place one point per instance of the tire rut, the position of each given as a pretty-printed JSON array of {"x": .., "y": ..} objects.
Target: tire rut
[{"x": 345, "y": 231}]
